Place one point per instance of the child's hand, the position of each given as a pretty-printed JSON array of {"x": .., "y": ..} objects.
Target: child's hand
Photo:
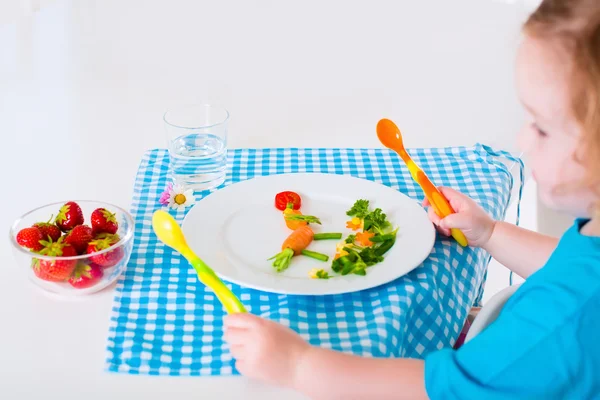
[
  {"x": 263, "y": 349},
  {"x": 470, "y": 218}
]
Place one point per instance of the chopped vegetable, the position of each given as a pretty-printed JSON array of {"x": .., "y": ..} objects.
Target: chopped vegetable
[
  {"x": 384, "y": 238},
  {"x": 360, "y": 209},
  {"x": 353, "y": 259},
  {"x": 363, "y": 238},
  {"x": 354, "y": 224},
  {"x": 306, "y": 218},
  {"x": 385, "y": 246},
  {"x": 327, "y": 236},
  {"x": 292, "y": 224},
  {"x": 371, "y": 256},
  {"x": 353, "y": 255},
  {"x": 316, "y": 273},
  {"x": 294, "y": 218},
  {"x": 292, "y": 246},
  {"x": 376, "y": 221},
  {"x": 284, "y": 198},
  {"x": 315, "y": 255},
  {"x": 283, "y": 259}
]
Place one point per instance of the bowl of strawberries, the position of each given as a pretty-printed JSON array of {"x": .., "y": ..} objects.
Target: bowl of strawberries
[{"x": 63, "y": 253}]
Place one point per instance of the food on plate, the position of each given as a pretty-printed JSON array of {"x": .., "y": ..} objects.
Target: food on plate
[
  {"x": 364, "y": 238},
  {"x": 294, "y": 219},
  {"x": 283, "y": 199},
  {"x": 302, "y": 219},
  {"x": 293, "y": 245},
  {"x": 373, "y": 238},
  {"x": 366, "y": 247},
  {"x": 69, "y": 216},
  {"x": 317, "y": 273},
  {"x": 315, "y": 255},
  {"x": 327, "y": 236},
  {"x": 355, "y": 224}
]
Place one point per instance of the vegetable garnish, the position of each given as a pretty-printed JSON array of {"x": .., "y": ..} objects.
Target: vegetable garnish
[
  {"x": 360, "y": 209},
  {"x": 373, "y": 221},
  {"x": 315, "y": 255},
  {"x": 292, "y": 246},
  {"x": 354, "y": 224},
  {"x": 363, "y": 238},
  {"x": 383, "y": 238},
  {"x": 293, "y": 225},
  {"x": 327, "y": 236},
  {"x": 366, "y": 247},
  {"x": 360, "y": 250},
  {"x": 316, "y": 273},
  {"x": 294, "y": 218},
  {"x": 284, "y": 198},
  {"x": 306, "y": 218},
  {"x": 376, "y": 221}
]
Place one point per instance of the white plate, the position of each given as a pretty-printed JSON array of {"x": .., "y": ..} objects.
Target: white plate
[{"x": 236, "y": 229}]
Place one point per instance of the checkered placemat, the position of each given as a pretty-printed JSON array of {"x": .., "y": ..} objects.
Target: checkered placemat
[{"x": 165, "y": 322}]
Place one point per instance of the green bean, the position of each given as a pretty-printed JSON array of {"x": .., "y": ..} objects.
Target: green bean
[
  {"x": 315, "y": 255},
  {"x": 382, "y": 238},
  {"x": 385, "y": 246},
  {"x": 327, "y": 236}
]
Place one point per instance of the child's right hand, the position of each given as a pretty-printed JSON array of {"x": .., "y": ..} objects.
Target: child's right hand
[{"x": 470, "y": 218}]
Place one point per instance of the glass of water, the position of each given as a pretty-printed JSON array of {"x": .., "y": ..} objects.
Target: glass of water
[{"x": 197, "y": 139}]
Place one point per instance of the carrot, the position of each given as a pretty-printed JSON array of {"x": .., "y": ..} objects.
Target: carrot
[
  {"x": 294, "y": 219},
  {"x": 290, "y": 223},
  {"x": 292, "y": 246},
  {"x": 364, "y": 238},
  {"x": 298, "y": 240}
]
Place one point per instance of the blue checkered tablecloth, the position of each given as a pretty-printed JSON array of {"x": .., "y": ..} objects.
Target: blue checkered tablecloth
[{"x": 164, "y": 322}]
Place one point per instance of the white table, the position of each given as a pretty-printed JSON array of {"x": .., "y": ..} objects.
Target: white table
[{"x": 83, "y": 86}]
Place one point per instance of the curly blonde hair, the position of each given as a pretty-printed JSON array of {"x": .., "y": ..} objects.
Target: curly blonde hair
[{"x": 574, "y": 26}]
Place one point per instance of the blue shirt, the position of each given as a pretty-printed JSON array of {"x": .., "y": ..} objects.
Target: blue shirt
[{"x": 545, "y": 343}]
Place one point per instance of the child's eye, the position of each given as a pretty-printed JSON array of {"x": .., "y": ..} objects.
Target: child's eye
[{"x": 539, "y": 131}]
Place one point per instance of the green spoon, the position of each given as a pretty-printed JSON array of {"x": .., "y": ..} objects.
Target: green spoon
[{"x": 169, "y": 232}]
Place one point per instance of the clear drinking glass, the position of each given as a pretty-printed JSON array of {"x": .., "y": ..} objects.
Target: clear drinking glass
[{"x": 197, "y": 140}]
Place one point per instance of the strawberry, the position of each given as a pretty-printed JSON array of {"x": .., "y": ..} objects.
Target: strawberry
[
  {"x": 69, "y": 216},
  {"x": 102, "y": 242},
  {"x": 56, "y": 270},
  {"x": 79, "y": 237},
  {"x": 86, "y": 275},
  {"x": 103, "y": 221},
  {"x": 30, "y": 238},
  {"x": 48, "y": 230}
]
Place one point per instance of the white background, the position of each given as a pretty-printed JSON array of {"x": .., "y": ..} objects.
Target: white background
[{"x": 84, "y": 84}]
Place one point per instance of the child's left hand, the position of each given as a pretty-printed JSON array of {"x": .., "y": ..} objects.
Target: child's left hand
[{"x": 263, "y": 349}]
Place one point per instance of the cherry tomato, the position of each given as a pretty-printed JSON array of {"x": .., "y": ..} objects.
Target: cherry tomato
[{"x": 284, "y": 198}]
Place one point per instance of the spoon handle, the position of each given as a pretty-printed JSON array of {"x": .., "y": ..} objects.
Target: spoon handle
[
  {"x": 439, "y": 203},
  {"x": 208, "y": 277}
]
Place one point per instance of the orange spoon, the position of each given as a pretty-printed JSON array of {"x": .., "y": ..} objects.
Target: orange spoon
[{"x": 389, "y": 135}]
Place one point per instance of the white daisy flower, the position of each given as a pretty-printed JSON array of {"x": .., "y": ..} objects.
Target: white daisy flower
[{"x": 180, "y": 198}]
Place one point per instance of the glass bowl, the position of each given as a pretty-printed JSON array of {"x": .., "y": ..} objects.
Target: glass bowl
[{"x": 90, "y": 272}]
